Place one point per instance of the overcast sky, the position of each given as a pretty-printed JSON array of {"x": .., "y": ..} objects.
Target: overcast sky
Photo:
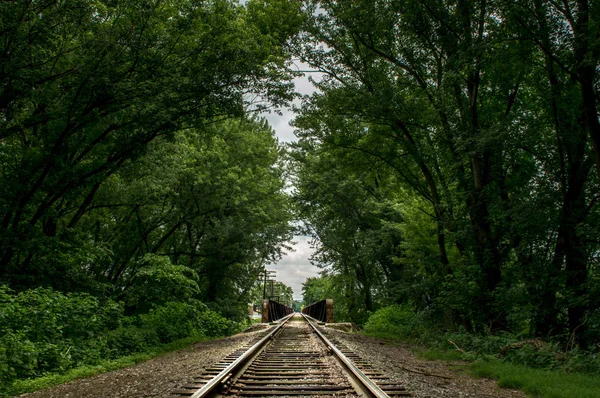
[{"x": 294, "y": 267}]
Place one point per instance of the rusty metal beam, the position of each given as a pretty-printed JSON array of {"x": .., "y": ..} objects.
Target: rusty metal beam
[
  {"x": 321, "y": 311},
  {"x": 273, "y": 311}
]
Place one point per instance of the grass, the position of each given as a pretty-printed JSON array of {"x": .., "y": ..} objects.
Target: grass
[
  {"x": 537, "y": 382},
  {"x": 435, "y": 355},
  {"x": 31, "y": 385},
  {"x": 385, "y": 335}
]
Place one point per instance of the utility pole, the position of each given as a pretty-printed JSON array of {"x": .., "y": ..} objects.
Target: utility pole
[{"x": 267, "y": 274}]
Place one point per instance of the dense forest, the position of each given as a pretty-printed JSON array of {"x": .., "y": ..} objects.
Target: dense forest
[
  {"x": 450, "y": 159},
  {"x": 448, "y": 164},
  {"x": 140, "y": 195}
]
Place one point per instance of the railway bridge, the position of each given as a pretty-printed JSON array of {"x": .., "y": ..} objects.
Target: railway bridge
[{"x": 294, "y": 356}]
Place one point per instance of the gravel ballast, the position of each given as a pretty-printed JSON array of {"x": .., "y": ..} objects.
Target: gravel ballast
[
  {"x": 425, "y": 379},
  {"x": 158, "y": 377},
  {"x": 154, "y": 378}
]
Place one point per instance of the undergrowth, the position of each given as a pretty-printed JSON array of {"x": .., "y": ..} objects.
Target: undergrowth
[
  {"x": 538, "y": 382},
  {"x": 47, "y": 337},
  {"x": 540, "y": 368},
  {"x": 22, "y": 386}
]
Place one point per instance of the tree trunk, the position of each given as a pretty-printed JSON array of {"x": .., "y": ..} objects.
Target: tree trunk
[{"x": 586, "y": 60}]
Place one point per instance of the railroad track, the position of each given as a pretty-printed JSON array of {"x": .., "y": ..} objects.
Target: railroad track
[{"x": 294, "y": 358}]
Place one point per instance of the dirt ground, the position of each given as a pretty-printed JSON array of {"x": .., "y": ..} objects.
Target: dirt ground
[
  {"x": 154, "y": 378},
  {"x": 159, "y": 376},
  {"x": 425, "y": 379}
]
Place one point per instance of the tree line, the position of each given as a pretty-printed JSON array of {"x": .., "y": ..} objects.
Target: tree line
[
  {"x": 129, "y": 165},
  {"x": 450, "y": 159},
  {"x": 140, "y": 195}
]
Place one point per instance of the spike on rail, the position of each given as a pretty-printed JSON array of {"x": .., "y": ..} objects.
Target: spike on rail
[{"x": 321, "y": 311}]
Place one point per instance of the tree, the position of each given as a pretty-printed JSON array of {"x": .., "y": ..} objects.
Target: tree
[
  {"x": 210, "y": 203},
  {"x": 566, "y": 37},
  {"x": 314, "y": 289},
  {"x": 86, "y": 86},
  {"x": 339, "y": 198},
  {"x": 468, "y": 106}
]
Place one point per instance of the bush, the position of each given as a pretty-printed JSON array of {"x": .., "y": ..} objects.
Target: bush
[
  {"x": 18, "y": 356},
  {"x": 480, "y": 344},
  {"x": 213, "y": 324},
  {"x": 43, "y": 331},
  {"x": 401, "y": 322},
  {"x": 174, "y": 320},
  {"x": 395, "y": 321},
  {"x": 128, "y": 340},
  {"x": 57, "y": 316},
  {"x": 584, "y": 362}
]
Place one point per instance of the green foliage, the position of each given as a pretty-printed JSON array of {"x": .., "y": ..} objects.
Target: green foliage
[
  {"x": 188, "y": 191},
  {"x": 130, "y": 170},
  {"x": 72, "y": 315},
  {"x": 43, "y": 331},
  {"x": 19, "y": 356},
  {"x": 128, "y": 340},
  {"x": 539, "y": 383},
  {"x": 394, "y": 321},
  {"x": 104, "y": 80},
  {"x": 197, "y": 217},
  {"x": 100, "y": 366},
  {"x": 127, "y": 159},
  {"x": 174, "y": 321},
  {"x": 297, "y": 305},
  {"x": 403, "y": 323},
  {"x": 340, "y": 198},
  {"x": 438, "y": 166},
  {"x": 315, "y": 289},
  {"x": 159, "y": 281}
]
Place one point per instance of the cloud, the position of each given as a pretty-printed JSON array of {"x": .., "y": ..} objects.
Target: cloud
[
  {"x": 294, "y": 268},
  {"x": 302, "y": 85},
  {"x": 281, "y": 125}
]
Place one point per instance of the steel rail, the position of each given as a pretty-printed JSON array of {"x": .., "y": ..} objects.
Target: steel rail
[
  {"x": 225, "y": 373},
  {"x": 360, "y": 376}
]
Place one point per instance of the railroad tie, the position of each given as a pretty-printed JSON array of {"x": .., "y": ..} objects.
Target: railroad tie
[{"x": 293, "y": 359}]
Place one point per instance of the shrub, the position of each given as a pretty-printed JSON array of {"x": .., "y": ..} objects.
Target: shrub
[
  {"x": 213, "y": 324},
  {"x": 171, "y": 321},
  {"x": 397, "y": 321},
  {"x": 174, "y": 320},
  {"x": 53, "y": 357},
  {"x": 128, "y": 340},
  {"x": 400, "y": 322},
  {"x": 57, "y": 316},
  {"x": 44, "y": 331},
  {"x": 18, "y": 356},
  {"x": 481, "y": 344}
]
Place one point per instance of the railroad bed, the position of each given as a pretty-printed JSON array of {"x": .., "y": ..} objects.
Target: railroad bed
[{"x": 294, "y": 358}]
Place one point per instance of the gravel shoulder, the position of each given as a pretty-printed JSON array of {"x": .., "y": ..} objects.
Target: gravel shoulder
[
  {"x": 154, "y": 378},
  {"x": 422, "y": 377},
  {"x": 159, "y": 376}
]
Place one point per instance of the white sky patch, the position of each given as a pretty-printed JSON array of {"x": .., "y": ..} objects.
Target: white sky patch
[
  {"x": 281, "y": 124},
  {"x": 294, "y": 268}
]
